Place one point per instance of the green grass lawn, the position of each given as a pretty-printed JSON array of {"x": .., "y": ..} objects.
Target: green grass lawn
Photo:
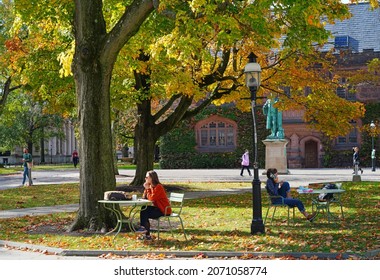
[
  {"x": 130, "y": 166},
  {"x": 43, "y": 195},
  {"x": 19, "y": 168},
  {"x": 10, "y": 170},
  {"x": 27, "y": 197},
  {"x": 220, "y": 223}
]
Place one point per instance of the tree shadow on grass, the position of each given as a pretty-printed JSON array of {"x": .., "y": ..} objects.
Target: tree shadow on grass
[{"x": 356, "y": 232}]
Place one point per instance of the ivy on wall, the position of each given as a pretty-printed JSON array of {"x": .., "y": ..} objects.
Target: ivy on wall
[
  {"x": 178, "y": 148},
  {"x": 334, "y": 158}
]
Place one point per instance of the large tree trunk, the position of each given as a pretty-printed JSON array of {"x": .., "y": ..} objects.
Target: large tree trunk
[
  {"x": 145, "y": 140},
  {"x": 114, "y": 148},
  {"x": 42, "y": 149},
  {"x": 96, "y": 168},
  {"x": 95, "y": 145},
  {"x": 95, "y": 54},
  {"x": 147, "y": 132}
]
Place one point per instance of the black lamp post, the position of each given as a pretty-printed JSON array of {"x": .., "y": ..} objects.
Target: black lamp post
[
  {"x": 373, "y": 127},
  {"x": 252, "y": 79}
]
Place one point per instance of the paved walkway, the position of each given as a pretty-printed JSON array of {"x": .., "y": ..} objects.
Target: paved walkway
[{"x": 296, "y": 177}]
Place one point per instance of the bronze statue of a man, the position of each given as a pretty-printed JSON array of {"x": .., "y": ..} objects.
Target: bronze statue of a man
[{"x": 274, "y": 119}]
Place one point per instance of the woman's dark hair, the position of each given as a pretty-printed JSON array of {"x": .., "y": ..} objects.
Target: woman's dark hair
[
  {"x": 154, "y": 176},
  {"x": 271, "y": 172}
]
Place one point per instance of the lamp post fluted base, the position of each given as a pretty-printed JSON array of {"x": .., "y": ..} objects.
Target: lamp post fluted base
[{"x": 257, "y": 225}]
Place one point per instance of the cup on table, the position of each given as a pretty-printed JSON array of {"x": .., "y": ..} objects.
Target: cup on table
[{"x": 134, "y": 197}]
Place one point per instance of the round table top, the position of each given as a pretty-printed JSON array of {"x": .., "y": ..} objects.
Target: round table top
[
  {"x": 139, "y": 201},
  {"x": 319, "y": 191}
]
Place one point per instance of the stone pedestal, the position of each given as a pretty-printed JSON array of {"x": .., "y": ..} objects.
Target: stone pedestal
[
  {"x": 275, "y": 155},
  {"x": 356, "y": 178}
]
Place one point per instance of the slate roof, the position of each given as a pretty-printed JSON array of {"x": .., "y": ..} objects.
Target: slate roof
[{"x": 362, "y": 29}]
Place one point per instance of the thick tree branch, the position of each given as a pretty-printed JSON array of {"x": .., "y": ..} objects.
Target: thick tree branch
[
  {"x": 127, "y": 26},
  {"x": 167, "y": 106},
  {"x": 218, "y": 73},
  {"x": 174, "y": 118},
  {"x": 6, "y": 91}
]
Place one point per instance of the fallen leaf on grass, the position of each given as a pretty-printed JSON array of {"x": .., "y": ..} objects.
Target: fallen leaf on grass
[{"x": 200, "y": 256}]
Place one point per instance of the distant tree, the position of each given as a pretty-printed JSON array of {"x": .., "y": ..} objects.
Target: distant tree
[
  {"x": 24, "y": 123},
  {"x": 6, "y": 47}
]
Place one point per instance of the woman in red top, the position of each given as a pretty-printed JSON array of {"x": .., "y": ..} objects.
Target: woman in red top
[{"x": 155, "y": 192}]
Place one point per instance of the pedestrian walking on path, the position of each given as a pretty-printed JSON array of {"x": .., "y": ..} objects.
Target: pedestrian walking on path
[
  {"x": 356, "y": 161},
  {"x": 28, "y": 164},
  {"x": 75, "y": 158},
  {"x": 245, "y": 163}
]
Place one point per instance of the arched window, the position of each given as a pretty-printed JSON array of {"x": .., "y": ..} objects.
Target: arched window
[{"x": 216, "y": 134}]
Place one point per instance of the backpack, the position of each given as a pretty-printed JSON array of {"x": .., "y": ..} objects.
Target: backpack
[
  {"x": 117, "y": 195},
  {"x": 327, "y": 196}
]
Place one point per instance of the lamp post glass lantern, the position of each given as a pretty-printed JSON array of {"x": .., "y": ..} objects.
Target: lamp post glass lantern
[
  {"x": 252, "y": 78},
  {"x": 373, "y": 152}
]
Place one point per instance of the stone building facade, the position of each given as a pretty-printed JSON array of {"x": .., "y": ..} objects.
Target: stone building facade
[
  {"x": 356, "y": 42},
  {"x": 56, "y": 150}
]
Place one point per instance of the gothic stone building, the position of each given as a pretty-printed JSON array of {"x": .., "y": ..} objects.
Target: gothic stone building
[{"x": 356, "y": 41}]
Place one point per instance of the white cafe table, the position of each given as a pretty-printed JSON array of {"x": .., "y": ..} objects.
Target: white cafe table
[
  {"x": 116, "y": 207},
  {"x": 324, "y": 205}
]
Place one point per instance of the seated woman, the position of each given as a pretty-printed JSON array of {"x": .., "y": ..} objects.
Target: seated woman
[
  {"x": 276, "y": 188},
  {"x": 155, "y": 192}
]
